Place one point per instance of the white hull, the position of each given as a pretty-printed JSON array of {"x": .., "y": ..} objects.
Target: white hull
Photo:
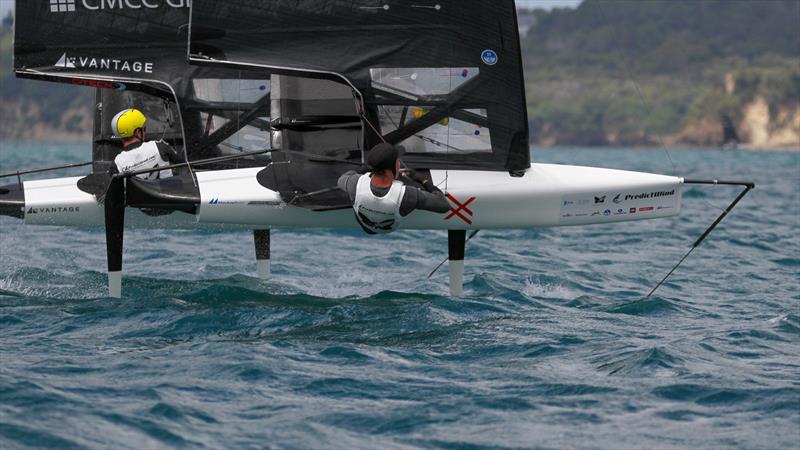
[{"x": 547, "y": 195}]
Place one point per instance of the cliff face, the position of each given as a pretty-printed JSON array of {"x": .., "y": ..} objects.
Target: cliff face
[{"x": 764, "y": 127}]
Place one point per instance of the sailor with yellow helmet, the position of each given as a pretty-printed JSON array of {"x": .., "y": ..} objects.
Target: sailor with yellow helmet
[{"x": 129, "y": 124}]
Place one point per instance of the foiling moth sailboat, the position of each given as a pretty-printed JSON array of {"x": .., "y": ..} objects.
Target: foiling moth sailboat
[{"x": 269, "y": 102}]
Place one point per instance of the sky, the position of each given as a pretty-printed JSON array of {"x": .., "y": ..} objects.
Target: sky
[
  {"x": 7, "y": 5},
  {"x": 543, "y": 4}
]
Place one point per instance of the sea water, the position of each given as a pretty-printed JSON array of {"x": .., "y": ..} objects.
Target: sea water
[{"x": 349, "y": 345}]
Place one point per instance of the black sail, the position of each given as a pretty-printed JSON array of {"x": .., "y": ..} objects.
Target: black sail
[
  {"x": 442, "y": 78},
  {"x": 134, "y": 53},
  {"x": 101, "y": 38}
]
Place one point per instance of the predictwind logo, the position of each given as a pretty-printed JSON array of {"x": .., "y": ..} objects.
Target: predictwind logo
[{"x": 65, "y": 6}]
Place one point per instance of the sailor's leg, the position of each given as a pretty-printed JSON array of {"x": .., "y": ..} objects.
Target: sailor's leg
[
  {"x": 261, "y": 239},
  {"x": 455, "y": 248},
  {"x": 115, "y": 225}
]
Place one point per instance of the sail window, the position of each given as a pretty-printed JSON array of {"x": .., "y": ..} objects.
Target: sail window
[
  {"x": 406, "y": 95},
  {"x": 234, "y": 113},
  {"x": 314, "y": 116},
  {"x": 421, "y": 83},
  {"x": 464, "y": 131}
]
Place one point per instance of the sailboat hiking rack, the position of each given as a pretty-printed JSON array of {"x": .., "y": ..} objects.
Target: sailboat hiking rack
[{"x": 268, "y": 103}]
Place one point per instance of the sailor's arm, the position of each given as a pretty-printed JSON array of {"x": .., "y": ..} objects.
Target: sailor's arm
[
  {"x": 348, "y": 182},
  {"x": 430, "y": 200},
  {"x": 168, "y": 153}
]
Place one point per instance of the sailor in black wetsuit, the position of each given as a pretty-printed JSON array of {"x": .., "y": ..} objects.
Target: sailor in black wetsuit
[{"x": 380, "y": 200}]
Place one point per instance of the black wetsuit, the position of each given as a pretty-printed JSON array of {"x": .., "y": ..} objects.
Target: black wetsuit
[{"x": 431, "y": 200}]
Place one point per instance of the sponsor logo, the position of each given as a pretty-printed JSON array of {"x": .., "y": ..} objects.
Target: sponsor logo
[
  {"x": 489, "y": 57},
  {"x": 582, "y": 215},
  {"x": 607, "y": 212},
  {"x": 596, "y": 213},
  {"x": 62, "y": 5},
  {"x": 568, "y": 202},
  {"x": 600, "y": 199},
  {"x": 99, "y": 84},
  {"x": 265, "y": 203},
  {"x": 620, "y": 212},
  {"x": 217, "y": 201},
  {"x": 54, "y": 210},
  {"x": 617, "y": 198},
  {"x": 646, "y": 209},
  {"x": 119, "y": 65},
  {"x": 654, "y": 194},
  {"x": 65, "y": 62},
  {"x": 461, "y": 209},
  {"x": 632, "y": 211},
  {"x": 564, "y": 216},
  {"x": 664, "y": 207},
  {"x": 68, "y": 6}
]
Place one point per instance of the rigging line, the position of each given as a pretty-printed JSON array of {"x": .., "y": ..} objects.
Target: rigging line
[
  {"x": 312, "y": 193},
  {"x": 629, "y": 76},
  {"x": 449, "y": 92},
  {"x": 199, "y": 162},
  {"x": 46, "y": 169},
  {"x": 238, "y": 116},
  {"x": 389, "y": 116},
  {"x": 648, "y": 106},
  {"x": 441, "y": 144},
  {"x": 445, "y": 260},
  {"x": 363, "y": 115},
  {"x": 423, "y": 138},
  {"x": 323, "y": 157},
  {"x": 237, "y": 157},
  {"x": 749, "y": 185}
]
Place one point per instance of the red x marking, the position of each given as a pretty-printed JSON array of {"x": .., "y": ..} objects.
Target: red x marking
[{"x": 460, "y": 207}]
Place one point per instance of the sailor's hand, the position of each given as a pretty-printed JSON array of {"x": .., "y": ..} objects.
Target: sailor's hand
[{"x": 416, "y": 176}]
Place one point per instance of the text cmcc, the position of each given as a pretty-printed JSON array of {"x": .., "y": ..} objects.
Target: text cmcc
[{"x": 134, "y": 4}]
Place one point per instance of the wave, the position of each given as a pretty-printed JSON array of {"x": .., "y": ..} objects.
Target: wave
[
  {"x": 654, "y": 306},
  {"x": 640, "y": 362}
]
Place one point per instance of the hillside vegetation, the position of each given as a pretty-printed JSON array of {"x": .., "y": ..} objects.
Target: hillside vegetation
[
  {"x": 610, "y": 72},
  {"x": 636, "y": 72}
]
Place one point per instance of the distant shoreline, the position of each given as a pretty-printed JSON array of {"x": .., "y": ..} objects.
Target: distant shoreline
[
  {"x": 747, "y": 148},
  {"x": 742, "y": 147}
]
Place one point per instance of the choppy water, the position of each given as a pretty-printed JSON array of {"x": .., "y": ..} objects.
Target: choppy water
[{"x": 350, "y": 346}]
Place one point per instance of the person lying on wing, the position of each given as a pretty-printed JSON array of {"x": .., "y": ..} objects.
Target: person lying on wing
[
  {"x": 380, "y": 200},
  {"x": 137, "y": 154}
]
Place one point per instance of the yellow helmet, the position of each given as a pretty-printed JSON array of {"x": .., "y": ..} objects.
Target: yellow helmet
[{"x": 127, "y": 121}]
